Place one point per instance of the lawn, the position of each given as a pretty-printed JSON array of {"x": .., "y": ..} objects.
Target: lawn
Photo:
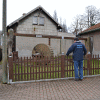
[
  {"x": 0, "y": 62},
  {"x": 95, "y": 67}
]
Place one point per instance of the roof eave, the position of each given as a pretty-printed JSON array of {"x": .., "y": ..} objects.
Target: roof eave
[{"x": 97, "y": 29}]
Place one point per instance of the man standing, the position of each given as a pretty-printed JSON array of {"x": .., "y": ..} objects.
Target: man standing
[{"x": 78, "y": 50}]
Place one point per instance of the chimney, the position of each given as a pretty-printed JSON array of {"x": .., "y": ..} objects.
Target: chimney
[{"x": 24, "y": 14}]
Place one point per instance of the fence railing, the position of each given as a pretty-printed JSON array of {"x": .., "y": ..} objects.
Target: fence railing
[{"x": 37, "y": 68}]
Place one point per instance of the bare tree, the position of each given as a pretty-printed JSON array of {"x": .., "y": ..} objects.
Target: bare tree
[
  {"x": 92, "y": 15},
  {"x": 55, "y": 16},
  {"x": 77, "y": 25},
  {"x": 60, "y": 21},
  {"x": 64, "y": 26},
  {"x": 82, "y": 22}
]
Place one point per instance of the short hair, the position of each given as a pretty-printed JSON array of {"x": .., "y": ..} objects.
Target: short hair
[{"x": 76, "y": 39}]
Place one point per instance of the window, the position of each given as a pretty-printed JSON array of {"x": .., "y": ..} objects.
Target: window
[
  {"x": 41, "y": 21},
  {"x": 38, "y": 20},
  {"x": 35, "y": 20}
]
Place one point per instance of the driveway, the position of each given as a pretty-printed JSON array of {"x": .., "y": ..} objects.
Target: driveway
[{"x": 88, "y": 89}]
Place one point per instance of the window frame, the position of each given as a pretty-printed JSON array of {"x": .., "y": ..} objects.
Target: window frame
[
  {"x": 41, "y": 21},
  {"x": 38, "y": 21},
  {"x": 35, "y": 22}
]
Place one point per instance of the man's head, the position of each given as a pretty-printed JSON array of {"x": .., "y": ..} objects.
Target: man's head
[{"x": 76, "y": 39}]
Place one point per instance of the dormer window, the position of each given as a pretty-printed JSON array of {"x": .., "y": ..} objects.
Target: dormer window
[{"x": 38, "y": 20}]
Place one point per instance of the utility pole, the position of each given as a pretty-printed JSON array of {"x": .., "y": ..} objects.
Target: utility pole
[{"x": 4, "y": 47}]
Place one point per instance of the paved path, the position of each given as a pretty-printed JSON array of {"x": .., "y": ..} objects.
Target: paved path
[{"x": 88, "y": 89}]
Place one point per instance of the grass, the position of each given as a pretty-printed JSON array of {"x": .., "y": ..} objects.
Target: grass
[
  {"x": 0, "y": 62},
  {"x": 95, "y": 66},
  {"x": 38, "y": 70}
]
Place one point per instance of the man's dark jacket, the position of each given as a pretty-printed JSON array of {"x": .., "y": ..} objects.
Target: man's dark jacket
[{"x": 78, "y": 50}]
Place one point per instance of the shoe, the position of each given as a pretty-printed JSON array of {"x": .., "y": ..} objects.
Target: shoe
[
  {"x": 80, "y": 79},
  {"x": 77, "y": 79}
]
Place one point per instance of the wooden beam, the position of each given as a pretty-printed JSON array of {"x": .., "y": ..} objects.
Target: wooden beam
[{"x": 46, "y": 36}]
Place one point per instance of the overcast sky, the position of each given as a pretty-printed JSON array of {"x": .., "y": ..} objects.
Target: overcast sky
[{"x": 66, "y": 9}]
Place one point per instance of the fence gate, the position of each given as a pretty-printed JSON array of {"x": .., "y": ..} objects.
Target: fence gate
[{"x": 49, "y": 68}]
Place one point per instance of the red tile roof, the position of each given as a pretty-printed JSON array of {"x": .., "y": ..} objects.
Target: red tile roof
[{"x": 97, "y": 26}]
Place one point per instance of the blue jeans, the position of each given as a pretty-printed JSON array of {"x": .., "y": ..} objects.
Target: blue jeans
[{"x": 78, "y": 72}]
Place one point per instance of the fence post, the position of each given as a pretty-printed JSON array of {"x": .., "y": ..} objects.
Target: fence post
[
  {"x": 89, "y": 63},
  {"x": 62, "y": 65},
  {"x": 10, "y": 41},
  {"x": 10, "y": 61}
]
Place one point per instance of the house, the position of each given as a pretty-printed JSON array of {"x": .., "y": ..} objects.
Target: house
[
  {"x": 38, "y": 21},
  {"x": 94, "y": 33}
]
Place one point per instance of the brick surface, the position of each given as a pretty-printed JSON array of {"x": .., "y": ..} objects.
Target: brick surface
[{"x": 88, "y": 89}]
